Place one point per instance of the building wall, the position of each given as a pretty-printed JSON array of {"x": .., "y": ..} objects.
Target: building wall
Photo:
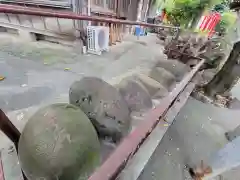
[{"x": 54, "y": 3}]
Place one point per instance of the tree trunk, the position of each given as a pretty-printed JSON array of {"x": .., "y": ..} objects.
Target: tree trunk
[
  {"x": 133, "y": 10},
  {"x": 144, "y": 11},
  {"x": 224, "y": 80}
]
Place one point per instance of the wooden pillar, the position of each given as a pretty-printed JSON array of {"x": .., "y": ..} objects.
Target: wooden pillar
[
  {"x": 144, "y": 10},
  {"x": 80, "y": 7}
]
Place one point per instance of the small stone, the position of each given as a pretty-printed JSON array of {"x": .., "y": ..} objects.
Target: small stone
[
  {"x": 10, "y": 149},
  {"x": 167, "y": 153},
  {"x": 2, "y": 78},
  {"x": 24, "y": 85},
  {"x": 20, "y": 116},
  {"x": 165, "y": 125}
]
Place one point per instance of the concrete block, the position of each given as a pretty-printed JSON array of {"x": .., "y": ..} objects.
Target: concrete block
[
  {"x": 3, "y": 29},
  {"x": 12, "y": 31},
  {"x": 26, "y": 35}
]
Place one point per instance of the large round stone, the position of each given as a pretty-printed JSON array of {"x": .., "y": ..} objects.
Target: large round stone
[
  {"x": 59, "y": 142},
  {"x": 163, "y": 76},
  {"x": 135, "y": 94},
  {"x": 175, "y": 67},
  {"x": 104, "y": 105},
  {"x": 82, "y": 92},
  {"x": 154, "y": 88}
]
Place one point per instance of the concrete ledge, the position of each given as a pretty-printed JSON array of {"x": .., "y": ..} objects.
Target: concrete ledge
[
  {"x": 26, "y": 35},
  {"x": 32, "y": 34}
]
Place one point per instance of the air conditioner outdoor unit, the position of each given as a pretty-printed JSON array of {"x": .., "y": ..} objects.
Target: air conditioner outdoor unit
[{"x": 97, "y": 39}]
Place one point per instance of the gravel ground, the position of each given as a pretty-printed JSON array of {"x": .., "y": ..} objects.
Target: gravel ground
[{"x": 39, "y": 72}]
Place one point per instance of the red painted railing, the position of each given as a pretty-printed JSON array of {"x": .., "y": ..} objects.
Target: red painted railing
[
  {"x": 1, "y": 169},
  {"x": 11, "y": 9}
]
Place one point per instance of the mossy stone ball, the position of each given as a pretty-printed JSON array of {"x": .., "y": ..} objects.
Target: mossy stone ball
[{"x": 59, "y": 142}]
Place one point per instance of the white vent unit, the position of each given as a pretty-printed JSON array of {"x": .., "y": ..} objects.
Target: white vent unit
[{"x": 97, "y": 39}]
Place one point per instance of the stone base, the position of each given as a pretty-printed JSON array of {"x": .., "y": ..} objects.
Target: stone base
[
  {"x": 32, "y": 34},
  {"x": 27, "y": 36}
]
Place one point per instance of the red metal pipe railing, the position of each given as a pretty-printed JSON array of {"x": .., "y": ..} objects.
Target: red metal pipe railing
[
  {"x": 9, "y": 129},
  {"x": 11, "y": 9},
  {"x": 118, "y": 159},
  {"x": 1, "y": 168}
]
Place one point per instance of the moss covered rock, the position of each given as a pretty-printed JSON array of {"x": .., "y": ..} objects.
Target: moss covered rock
[
  {"x": 175, "y": 67},
  {"x": 59, "y": 142},
  {"x": 135, "y": 94},
  {"x": 154, "y": 88},
  {"x": 162, "y": 76},
  {"x": 104, "y": 105}
]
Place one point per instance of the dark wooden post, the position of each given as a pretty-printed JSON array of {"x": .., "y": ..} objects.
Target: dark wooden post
[{"x": 9, "y": 129}]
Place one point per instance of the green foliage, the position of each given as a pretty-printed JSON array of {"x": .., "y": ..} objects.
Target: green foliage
[
  {"x": 219, "y": 8},
  {"x": 157, "y": 3},
  {"x": 227, "y": 18},
  {"x": 225, "y": 2},
  {"x": 227, "y": 21},
  {"x": 183, "y": 12}
]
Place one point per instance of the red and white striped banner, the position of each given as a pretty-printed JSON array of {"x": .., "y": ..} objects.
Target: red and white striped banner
[{"x": 208, "y": 23}]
